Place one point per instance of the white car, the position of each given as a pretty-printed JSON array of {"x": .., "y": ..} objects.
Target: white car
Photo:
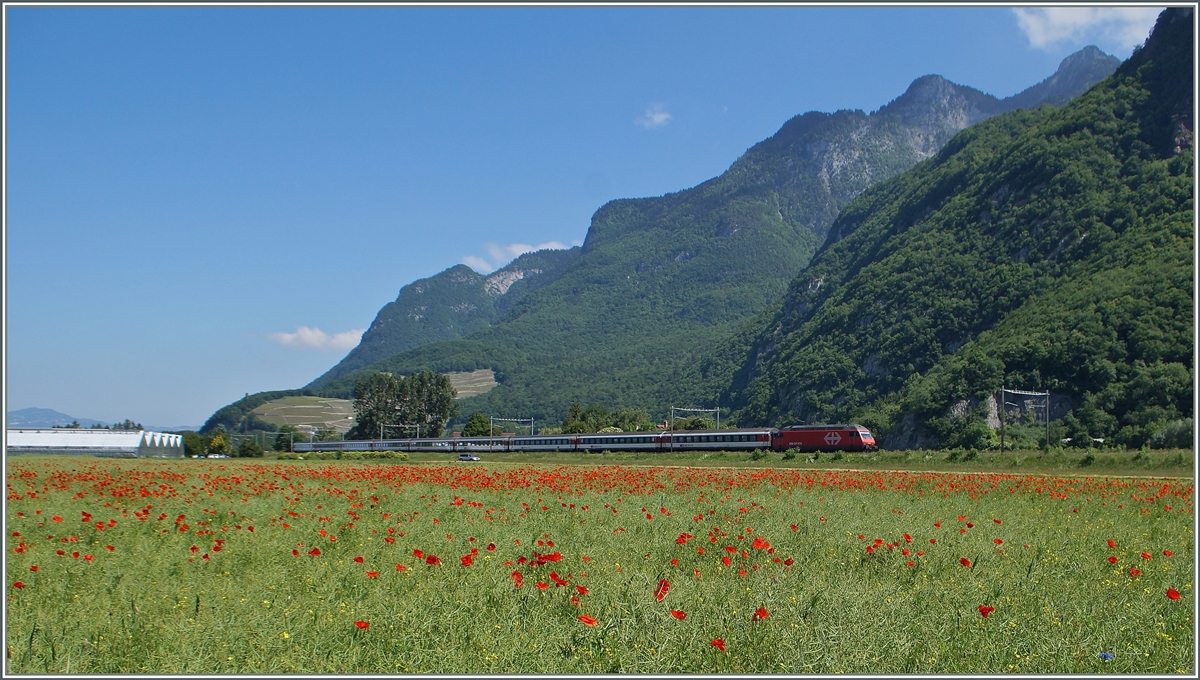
[{"x": 467, "y": 457}]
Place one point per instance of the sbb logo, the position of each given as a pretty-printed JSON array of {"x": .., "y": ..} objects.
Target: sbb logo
[{"x": 833, "y": 438}]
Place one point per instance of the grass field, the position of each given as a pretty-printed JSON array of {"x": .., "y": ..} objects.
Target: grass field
[
  {"x": 200, "y": 566},
  {"x": 310, "y": 412},
  {"x": 473, "y": 383}
]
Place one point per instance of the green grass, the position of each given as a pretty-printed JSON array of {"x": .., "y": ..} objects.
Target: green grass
[
  {"x": 1168, "y": 463},
  {"x": 152, "y": 605}
]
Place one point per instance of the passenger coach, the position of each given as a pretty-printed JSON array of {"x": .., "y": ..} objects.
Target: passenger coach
[{"x": 803, "y": 437}]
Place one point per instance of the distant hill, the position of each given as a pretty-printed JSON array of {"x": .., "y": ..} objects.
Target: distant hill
[
  {"x": 660, "y": 282},
  {"x": 44, "y": 417},
  {"x": 1046, "y": 249}
]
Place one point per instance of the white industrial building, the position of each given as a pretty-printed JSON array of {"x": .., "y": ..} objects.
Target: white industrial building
[{"x": 104, "y": 443}]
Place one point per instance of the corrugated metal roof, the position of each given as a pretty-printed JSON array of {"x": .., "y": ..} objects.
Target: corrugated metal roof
[
  {"x": 72, "y": 438},
  {"x": 95, "y": 442}
]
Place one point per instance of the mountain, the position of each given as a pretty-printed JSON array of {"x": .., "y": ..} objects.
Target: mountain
[
  {"x": 1043, "y": 249},
  {"x": 450, "y": 305},
  {"x": 659, "y": 280},
  {"x": 44, "y": 417},
  {"x": 662, "y": 281}
]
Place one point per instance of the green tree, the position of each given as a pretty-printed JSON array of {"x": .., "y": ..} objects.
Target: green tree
[
  {"x": 477, "y": 426},
  {"x": 219, "y": 443},
  {"x": 425, "y": 398},
  {"x": 193, "y": 444},
  {"x": 286, "y": 436},
  {"x": 249, "y": 448}
]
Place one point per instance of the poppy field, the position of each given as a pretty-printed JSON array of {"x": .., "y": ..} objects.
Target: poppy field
[{"x": 203, "y": 566}]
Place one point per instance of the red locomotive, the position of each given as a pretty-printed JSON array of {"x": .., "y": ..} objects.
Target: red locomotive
[{"x": 823, "y": 438}]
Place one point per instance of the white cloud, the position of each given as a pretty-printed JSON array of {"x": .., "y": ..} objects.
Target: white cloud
[
  {"x": 315, "y": 338},
  {"x": 1125, "y": 27},
  {"x": 478, "y": 264},
  {"x": 655, "y": 117},
  {"x": 502, "y": 254}
]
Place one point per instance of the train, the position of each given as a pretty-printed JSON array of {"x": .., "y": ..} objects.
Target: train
[{"x": 806, "y": 438}]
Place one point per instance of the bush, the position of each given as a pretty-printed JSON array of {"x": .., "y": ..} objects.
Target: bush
[{"x": 790, "y": 454}]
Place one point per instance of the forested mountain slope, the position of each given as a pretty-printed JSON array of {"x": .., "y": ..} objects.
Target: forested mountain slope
[
  {"x": 449, "y": 305},
  {"x": 1046, "y": 249}
]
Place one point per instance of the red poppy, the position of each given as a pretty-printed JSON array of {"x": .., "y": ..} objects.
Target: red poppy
[
  {"x": 697, "y": 571},
  {"x": 678, "y": 614},
  {"x": 418, "y": 554},
  {"x": 491, "y": 547},
  {"x": 970, "y": 526},
  {"x": 997, "y": 541},
  {"x": 1134, "y": 571},
  {"x": 542, "y": 585},
  {"x": 75, "y": 555},
  {"x": 911, "y": 564},
  {"x": 761, "y": 543},
  {"x": 1112, "y": 543},
  {"x": 760, "y": 614},
  {"x": 432, "y": 560},
  {"x": 33, "y": 568},
  {"x": 1168, "y": 553},
  {"x": 295, "y": 553},
  {"x": 937, "y": 524},
  {"x": 962, "y": 518},
  {"x": 984, "y": 610},
  {"x": 730, "y": 549},
  {"x": 661, "y": 591},
  {"x": 582, "y": 590},
  {"x": 194, "y": 549},
  {"x": 88, "y": 558},
  {"x": 18, "y": 585},
  {"x": 358, "y": 559},
  {"x": 372, "y": 574},
  {"x": 1171, "y": 593},
  {"x": 725, "y": 560},
  {"x": 964, "y": 561},
  {"x": 1112, "y": 560},
  {"x": 516, "y": 575},
  {"x": 1145, "y": 556},
  {"x": 907, "y": 538},
  {"x": 933, "y": 540},
  {"x": 109, "y": 547},
  {"x": 363, "y": 625},
  {"x": 587, "y": 620},
  {"x": 56, "y": 518},
  {"x": 996, "y": 521},
  {"x": 789, "y": 562},
  {"x": 400, "y": 567},
  {"x": 315, "y": 552}
]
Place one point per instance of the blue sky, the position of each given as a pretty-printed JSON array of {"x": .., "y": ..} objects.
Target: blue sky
[{"x": 209, "y": 201}]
